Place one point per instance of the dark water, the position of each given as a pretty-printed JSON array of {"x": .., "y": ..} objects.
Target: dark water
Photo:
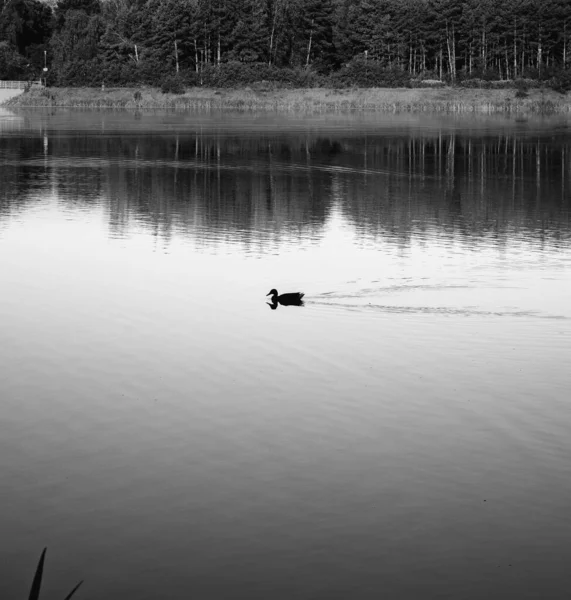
[{"x": 405, "y": 434}]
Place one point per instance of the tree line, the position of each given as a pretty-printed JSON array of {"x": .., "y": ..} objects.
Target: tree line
[{"x": 295, "y": 42}]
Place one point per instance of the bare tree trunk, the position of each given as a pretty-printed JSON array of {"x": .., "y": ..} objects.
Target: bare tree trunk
[
  {"x": 450, "y": 54},
  {"x": 483, "y": 49},
  {"x": 309, "y": 45},
  {"x": 176, "y": 56},
  {"x": 272, "y": 32},
  {"x": 539, "y": 52},
  {"x": 454, "y": 51},
  {"x": 410, "y": 56},
  {"x": 515, "y": 50},
  {"x": 276, "y": 50},
  {"x": 271, "y": 42},
  {"x": 195, "y": 55},
  {"x": 204, "y": 57},
  {"x": 564, "y": 45}
]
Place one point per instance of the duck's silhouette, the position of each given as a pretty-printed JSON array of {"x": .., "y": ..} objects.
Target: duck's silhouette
[{"x": 292, "y": 299}]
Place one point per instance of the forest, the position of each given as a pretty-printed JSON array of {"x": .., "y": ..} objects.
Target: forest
[{"x": 294, "y": 43}]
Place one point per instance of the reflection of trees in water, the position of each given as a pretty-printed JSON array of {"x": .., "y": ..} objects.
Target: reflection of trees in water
[
  {"x": 18, "y": 179},
  {"x": 233, "y": 190},
  {"x": 473, "y": 186},
  {"x": 16, "y": 184},
  {"x": 261, "y": 188}
]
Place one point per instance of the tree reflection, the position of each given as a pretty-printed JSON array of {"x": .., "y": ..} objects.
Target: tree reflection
[{"x": 258, "y": 190}]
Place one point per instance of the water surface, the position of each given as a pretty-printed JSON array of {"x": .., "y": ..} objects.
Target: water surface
[{"x": 406, "y": 433}]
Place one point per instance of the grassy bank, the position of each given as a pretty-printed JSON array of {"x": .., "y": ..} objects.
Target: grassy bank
[{"x": 444, "y": 100}]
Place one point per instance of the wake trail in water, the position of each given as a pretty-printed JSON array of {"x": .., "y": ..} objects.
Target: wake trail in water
[
  {"x": 369, "y": 299},
  {"x": 392, "y": 289},
  {"x": 436, "y": 310}
]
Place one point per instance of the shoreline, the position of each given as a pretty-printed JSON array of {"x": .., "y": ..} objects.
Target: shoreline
[{"x": 313, "y": 100}]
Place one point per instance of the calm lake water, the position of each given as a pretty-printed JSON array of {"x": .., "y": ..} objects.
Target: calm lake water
[{"x": 405, "y": 434}]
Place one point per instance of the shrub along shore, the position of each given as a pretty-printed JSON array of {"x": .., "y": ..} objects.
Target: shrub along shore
[{"x": 263, "y": 98}]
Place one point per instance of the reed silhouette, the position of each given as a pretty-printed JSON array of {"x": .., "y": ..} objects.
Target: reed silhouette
[{"x": 37, "y": 581}]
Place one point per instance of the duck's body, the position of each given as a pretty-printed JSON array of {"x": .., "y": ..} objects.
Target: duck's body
[{"x": 291, "y": 299}]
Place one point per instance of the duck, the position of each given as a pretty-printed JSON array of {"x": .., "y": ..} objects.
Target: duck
[{"x": 291, "y": 299}]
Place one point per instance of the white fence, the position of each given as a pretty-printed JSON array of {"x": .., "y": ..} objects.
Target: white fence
[{"x": 17, "y": 85}]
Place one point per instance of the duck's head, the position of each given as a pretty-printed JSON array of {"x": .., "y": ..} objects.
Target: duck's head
[{"x": 272, "y": 293}]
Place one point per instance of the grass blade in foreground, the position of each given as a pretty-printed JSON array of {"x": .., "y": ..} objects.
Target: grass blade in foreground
[
  {"x": 37, "y": 583},
  {"x": 73, "y": 591}
]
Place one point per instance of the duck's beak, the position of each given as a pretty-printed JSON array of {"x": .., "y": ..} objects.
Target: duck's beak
[{"x": 268, "y": 293}]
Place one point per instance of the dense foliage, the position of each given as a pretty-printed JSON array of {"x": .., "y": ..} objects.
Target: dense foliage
[{"x": 287, "y": 42}]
